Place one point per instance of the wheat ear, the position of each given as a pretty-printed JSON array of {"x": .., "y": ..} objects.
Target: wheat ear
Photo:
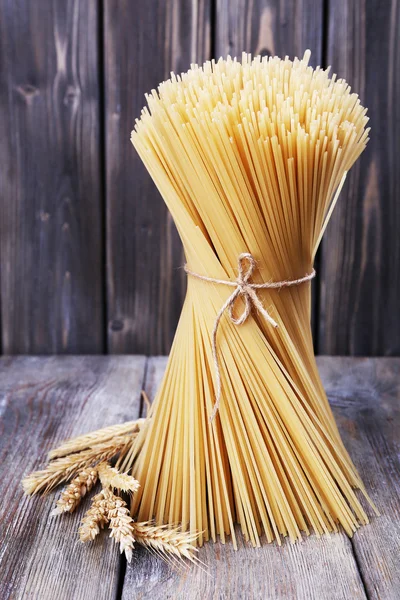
[
  {"x": 95, "y": 437},
  {"x": 75, "y": 491},
  {"x": 64, "y": 468},
  {"x": 95, "y": 518},
  {"x": 111, "y": 477},
  {"x": 108, "y": 508},
  {"x": 121, "y": 525},
  {"x": 166, "y": 541}
]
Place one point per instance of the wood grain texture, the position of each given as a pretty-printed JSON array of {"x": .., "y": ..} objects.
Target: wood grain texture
[
  {"x": 144, "y": 41},
  {"x": 365, "y": 395},
  {"x": 312, "y": 570},
  {"x": 360, "y": 270},
  {"x": 50, "y": 200},
  {"x": 42, "y": 402},
  {"x": 269, "y": 27},
  {"x": 52, "y": 242}
]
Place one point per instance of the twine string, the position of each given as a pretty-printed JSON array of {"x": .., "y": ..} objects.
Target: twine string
[{"x": 248, "y": 292}]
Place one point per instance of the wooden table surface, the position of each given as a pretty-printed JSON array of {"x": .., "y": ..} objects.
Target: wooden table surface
[{"x": 44, "y": 400}]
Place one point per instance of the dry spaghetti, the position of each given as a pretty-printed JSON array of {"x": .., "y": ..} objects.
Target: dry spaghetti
[{"x": 250, "y": 157}]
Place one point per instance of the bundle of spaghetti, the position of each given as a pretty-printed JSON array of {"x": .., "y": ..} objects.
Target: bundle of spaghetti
[{"x": 249, "y": 157}]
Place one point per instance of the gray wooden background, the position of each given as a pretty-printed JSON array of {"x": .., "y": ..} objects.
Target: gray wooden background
[{"x": 88, "y": 253}]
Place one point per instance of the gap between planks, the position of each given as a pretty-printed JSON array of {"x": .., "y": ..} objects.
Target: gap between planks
[{"x": 122, "y": 558}]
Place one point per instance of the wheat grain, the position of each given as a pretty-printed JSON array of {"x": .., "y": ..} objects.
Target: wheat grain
[
  {"x": 166, "y": 541},
  {"x": 121, "y": 524},
  {"x": 111, "y": 477},
  {"x": 75, "y": 491},
  {"x": 109, "y": 508},
  {"x": 95, "y": 518}
]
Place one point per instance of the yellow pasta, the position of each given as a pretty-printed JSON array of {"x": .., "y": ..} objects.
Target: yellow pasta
[{"x": 249, "y": 157}]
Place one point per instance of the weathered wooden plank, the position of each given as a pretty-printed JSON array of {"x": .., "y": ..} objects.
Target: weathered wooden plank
[
  {"x": 360, "y": 270},
  {"x": 50, "y": 200},
  {"x": 144, "y": 41},
  {"x": 365, "y": 395},
  {"x": 275, "y": 27},
  {"x": 42, "y": 402},
  {"x": 323, "y": 568},
  {"x": 313, "y": 570},
  {"x": 45, "y": 400}
]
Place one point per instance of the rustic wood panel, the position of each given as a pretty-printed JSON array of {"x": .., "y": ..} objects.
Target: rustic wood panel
[
  {"x": 313, "y": 570},
  {"x": 52, "y": 244},
  {"x": 144, "y": 41},
  {"x": 365, "y": 395},
  {"x": 324, "y": 568},
  {"x": 42, "y": 402},
  {"x": 360, "y": 270},
  {"x": 50, "y": 199},
  {"x": 269, "y": 27}
]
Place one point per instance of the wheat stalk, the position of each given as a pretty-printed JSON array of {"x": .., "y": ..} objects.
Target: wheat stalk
[
  {"x": 166, "y": 541},
  {"x": 111, "y": 477},
  {"x": 64, "y": 468},
  {"x": 100, "y": 436},
  {"x": 147, "y": 402},
  {"x": 75, "y": 491}
]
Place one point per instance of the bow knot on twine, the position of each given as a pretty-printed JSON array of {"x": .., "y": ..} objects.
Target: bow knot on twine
[{"x": 248, "y": 291}]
